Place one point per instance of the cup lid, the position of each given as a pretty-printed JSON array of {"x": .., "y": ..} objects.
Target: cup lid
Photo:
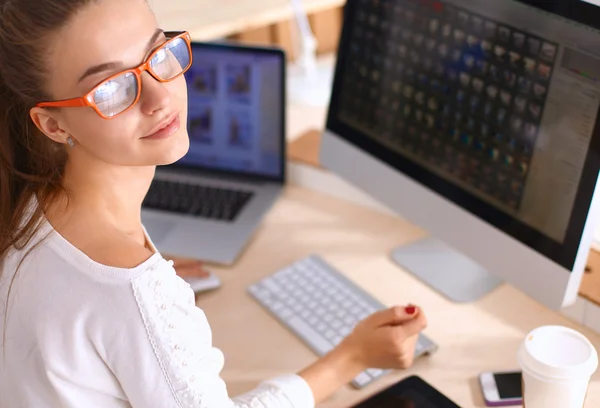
[{"x": 558, "y": 352}]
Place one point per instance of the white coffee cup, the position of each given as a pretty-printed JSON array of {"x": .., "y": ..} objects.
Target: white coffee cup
[{"x": 557, "y": 363}]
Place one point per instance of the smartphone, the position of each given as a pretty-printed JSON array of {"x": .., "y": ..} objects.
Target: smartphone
[{"x": 502, "y": 388}]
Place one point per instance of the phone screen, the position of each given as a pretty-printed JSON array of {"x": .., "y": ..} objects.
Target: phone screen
[{"x": 509, "y": 385}]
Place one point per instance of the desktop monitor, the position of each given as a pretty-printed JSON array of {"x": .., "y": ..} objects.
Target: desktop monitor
[{"x": 478, "y": 121}]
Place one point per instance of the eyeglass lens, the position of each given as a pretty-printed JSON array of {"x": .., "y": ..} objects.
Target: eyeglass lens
[{"x": 118, "y": 94}]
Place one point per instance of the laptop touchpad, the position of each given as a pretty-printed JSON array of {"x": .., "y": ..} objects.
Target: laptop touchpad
[{"x": 158, "y": 229}]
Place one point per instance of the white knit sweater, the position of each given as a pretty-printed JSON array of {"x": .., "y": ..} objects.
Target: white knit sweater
[{"x": 79, "y": 334}]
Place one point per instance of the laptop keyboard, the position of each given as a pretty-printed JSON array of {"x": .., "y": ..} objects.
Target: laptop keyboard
[{"x": 197, "y": 200}]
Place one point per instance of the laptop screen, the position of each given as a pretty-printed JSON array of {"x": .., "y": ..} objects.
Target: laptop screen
[{"x": 236, "y": 103}]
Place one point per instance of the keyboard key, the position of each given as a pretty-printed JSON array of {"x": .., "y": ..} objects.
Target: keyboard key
[
  {"x": 349, "y": 320},
  {"x": 374, "y": 372},
  {"x": 286, "y": 313},
  {"x": 272, "y": 286},
  {"x": 330, "y": 335},
  {"x": 257, "y": 291},
  {"x": 362, "y": 379}
]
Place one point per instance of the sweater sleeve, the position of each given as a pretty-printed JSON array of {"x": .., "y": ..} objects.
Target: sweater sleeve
[{"x": 180, "y": 367}]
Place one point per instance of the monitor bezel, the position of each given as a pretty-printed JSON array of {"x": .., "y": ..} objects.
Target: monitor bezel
[
  {"x": 563, "y": 254},
  {"x": 247, "y": 49}
]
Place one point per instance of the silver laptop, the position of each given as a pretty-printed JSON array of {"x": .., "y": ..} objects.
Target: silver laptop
[{"x": 208, "y": 204}]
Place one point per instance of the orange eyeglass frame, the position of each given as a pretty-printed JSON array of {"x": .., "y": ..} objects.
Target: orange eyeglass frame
[{"x": 88, "y": 99}]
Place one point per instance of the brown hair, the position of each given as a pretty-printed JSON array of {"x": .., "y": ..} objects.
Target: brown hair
[{"x": 31, "y": 164}]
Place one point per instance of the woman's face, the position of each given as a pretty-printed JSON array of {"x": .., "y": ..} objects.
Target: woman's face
[{"x": 102, "y": 39}]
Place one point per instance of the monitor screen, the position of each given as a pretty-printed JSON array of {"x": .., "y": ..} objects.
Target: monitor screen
[
  {"x": 493, "y": 104},
  {"x": 236, "y": 110}
]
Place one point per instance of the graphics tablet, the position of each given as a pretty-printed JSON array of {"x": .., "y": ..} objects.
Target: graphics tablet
[{"x": 411, "y": 392}]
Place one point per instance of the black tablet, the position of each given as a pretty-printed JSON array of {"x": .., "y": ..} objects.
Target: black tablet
[{"x": 411, "y": 392}]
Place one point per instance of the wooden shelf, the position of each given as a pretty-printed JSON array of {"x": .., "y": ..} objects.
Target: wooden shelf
[
  {"x": 305, "y": 149},
  {"x": 590, "y": 286},
  {"x": 325, "y": 22}
]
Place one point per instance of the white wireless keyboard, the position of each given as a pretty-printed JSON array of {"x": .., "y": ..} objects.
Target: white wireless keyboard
[{"x": 321, "y": 307}]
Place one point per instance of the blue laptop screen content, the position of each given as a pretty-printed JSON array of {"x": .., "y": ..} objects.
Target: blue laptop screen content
[{"x": 235, "y": 111}]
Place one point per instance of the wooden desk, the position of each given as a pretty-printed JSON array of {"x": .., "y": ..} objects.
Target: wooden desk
[
  {"x": 472, "y": 337},
  {"x": 208, "y": 20}
]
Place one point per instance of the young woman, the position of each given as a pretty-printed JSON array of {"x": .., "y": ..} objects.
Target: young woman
[{"x": 92, "y": 98}]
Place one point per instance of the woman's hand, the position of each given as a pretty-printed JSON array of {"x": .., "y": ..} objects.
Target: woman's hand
[
  {"x": 387, "y": 339},
  {"x": 188, "y": 268}
]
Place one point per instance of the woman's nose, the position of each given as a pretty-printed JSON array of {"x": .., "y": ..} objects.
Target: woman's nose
[{"x": 155, "y": 96}]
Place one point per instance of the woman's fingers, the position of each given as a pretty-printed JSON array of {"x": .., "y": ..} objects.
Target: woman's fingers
[
  {"x": 186, "y": 267},
  {"x": 195, "y": 270}
]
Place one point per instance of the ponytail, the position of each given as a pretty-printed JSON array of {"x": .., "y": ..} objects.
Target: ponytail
[
  {"x": 31, "y": 164},
  {"x": 30, "y": 167},
  {"x": 9, "y": 186}
]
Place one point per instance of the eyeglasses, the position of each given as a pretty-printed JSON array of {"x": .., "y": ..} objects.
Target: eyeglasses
[{"x": 119, "y": 93}]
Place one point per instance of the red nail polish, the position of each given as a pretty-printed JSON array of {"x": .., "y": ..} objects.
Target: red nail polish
[{"x": 410, "y": 310}]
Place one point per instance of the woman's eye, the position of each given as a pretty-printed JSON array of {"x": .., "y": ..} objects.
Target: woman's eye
[
  {"x": 160, "y": 56},
  {"x": 108, "y": 88},
  {"x": 107, "y": 91}
]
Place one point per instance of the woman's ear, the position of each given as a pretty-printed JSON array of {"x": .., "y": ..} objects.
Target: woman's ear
[{"x": 48, "y": 124}]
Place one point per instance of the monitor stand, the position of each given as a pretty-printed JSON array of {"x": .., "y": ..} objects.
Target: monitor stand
[{"x": 447, "y": 271}]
